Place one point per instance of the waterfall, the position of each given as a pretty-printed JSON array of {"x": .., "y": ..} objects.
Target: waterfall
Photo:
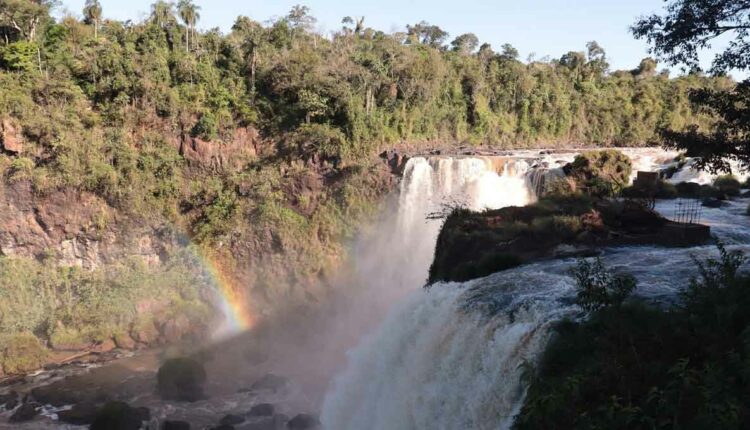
[
  {"x": 451, "y": 356},
  {"x": 384, "y": 378}
]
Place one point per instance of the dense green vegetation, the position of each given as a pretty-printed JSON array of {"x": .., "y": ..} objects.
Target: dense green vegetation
[
  {"x": 115, "y": 108},
  {"x": 678, "y": 35},
  {"x": 636, "y": 365}
]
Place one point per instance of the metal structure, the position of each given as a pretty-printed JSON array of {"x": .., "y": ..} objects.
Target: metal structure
[{"x": 687, "y": 211}]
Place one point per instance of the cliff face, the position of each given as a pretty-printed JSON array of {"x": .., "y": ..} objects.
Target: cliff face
[{"x": 75, "y": 228}]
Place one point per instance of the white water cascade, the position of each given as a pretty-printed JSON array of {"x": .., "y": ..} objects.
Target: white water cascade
[{"x": 451, "y": 356}]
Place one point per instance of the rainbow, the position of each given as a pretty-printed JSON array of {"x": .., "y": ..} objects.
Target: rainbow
[{"x": 233, "y": 299}]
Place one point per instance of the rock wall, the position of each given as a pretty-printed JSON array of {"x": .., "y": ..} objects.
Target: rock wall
[{"x": 76, "y": 228}]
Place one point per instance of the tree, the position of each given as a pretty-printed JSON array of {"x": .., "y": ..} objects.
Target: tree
[
  {"x": 188, "y": 11},
  {"x": 677, "y": 37},
  {"x": 465, "y": 43},
  {"x": 92, "y": 12},
  {"x": 646, "y": 68},
  {"x": 299, "y": 17},
  {"x": 25, "y": 16},
  {"x": 427, "y": 34},
  {"x": 597, "y": 59},
  {"x": 509, "y": 52},
  {"x": 162, "y": 13}
]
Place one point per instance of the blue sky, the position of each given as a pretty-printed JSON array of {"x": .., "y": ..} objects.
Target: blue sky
[{"x": 542, "y": 27}]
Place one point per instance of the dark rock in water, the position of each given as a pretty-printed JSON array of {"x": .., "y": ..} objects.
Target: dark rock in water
[
  {"x": 232, "y": 419},
  {"x": 119, "y": 416},
  {"x": 9, "y": 401},
  {"x": 81, "y": 414},
  {"x": 276, "y": 422},
  {"x": 262, "y": 410},
  {"x": 26, "y": 412},
  {"x": 712, "y": 203},
  {"x": 175, "y": 425},
  {"x": 181, "y": 379},
  {"x": 303, "y": 421},
  {"x": 270, "y": 382}
]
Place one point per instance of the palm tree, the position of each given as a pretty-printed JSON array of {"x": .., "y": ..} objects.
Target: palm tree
[
  {"x": 162, "y": 13},
  {"x": 189, "y": 13},
  {"x": 92, "y": 11}
]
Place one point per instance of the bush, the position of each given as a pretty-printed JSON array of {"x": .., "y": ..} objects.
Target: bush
[
  {"x": 631, "y": 366},
  {"x": 728, "y": 185},
  {"x": 21, "y": 353},
  {"x": 601, "y": 173},
  {"x": 597, "y": 288},
  {"x": 710, "y": 192},
  {"x": 206, "y": 127},
  {"x": 688, "y": 189},
  {"x": 666, "y": 190}
]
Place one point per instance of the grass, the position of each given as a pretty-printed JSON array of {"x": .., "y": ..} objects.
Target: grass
[{"x": 69, "y": 307}]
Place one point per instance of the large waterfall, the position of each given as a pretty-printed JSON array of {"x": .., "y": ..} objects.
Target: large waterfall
[{"x": 450, "y": 357}]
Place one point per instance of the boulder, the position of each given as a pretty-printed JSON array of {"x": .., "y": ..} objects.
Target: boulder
[
  {"x": 232, "y": 419},
  {"x": 181, "y": 379},
  {"x": 712, "y": 203},
  {"x": 26, "y": 412},
  {"x": 262, "y": 410},
  {"x": 9, "y": 401},
  {"x": 175, "y": 425},
  {"x": 303, "y": 421},
  {"x": 119, "y": 416},
  {"x": 81, "y": 414}
]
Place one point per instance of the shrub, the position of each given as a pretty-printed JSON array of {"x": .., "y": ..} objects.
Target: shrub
[
  {"x": 666, "y": 190},
  {"x": 708, "y": 191},
  {"x": 21, "y": 353},
  {"x": 601, "y": 173},
  {"x": 559, "y": 187},
  {"x": 597, "y": 288},
  {"x": 728, "y": 185},
  {"x": 688, "y": 189},
  {"x": 206, "y": 127}
]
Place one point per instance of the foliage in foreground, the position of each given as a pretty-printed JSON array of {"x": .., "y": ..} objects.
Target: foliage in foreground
[{"x": 641, "y": 366}]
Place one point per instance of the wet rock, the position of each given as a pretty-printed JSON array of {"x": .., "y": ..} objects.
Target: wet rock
[
  {"x": 175, "y": 425},
  {"x": 712, "y": 203},
  {"x": 181, "y": 379},
  {"x": 262, "y": 410},
  {"x": 81, "y": 414},
  {"x": 26, "y": 412},
  {"x": 9, "y": 401},
  {"x": 303, "y": 421},
  {"x": 119, "y": 416},
  {"x": 232, "y": 419},
  {"x": 276, "y": 422},
  {"x": 270, "y": 382},
  {"x": 223, "y": 427}
]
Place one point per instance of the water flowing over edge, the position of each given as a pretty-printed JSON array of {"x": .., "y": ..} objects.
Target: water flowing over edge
[{"x": 451, "y": 356}]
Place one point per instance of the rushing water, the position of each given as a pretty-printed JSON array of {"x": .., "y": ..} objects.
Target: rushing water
[{"x": 451, "y": 356}]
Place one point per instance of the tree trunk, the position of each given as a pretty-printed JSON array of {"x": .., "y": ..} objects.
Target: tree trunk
[{"x": 253, "y": 62}]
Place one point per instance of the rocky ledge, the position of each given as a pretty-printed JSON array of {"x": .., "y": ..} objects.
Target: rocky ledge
[{"x": 475, "y": 244}]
